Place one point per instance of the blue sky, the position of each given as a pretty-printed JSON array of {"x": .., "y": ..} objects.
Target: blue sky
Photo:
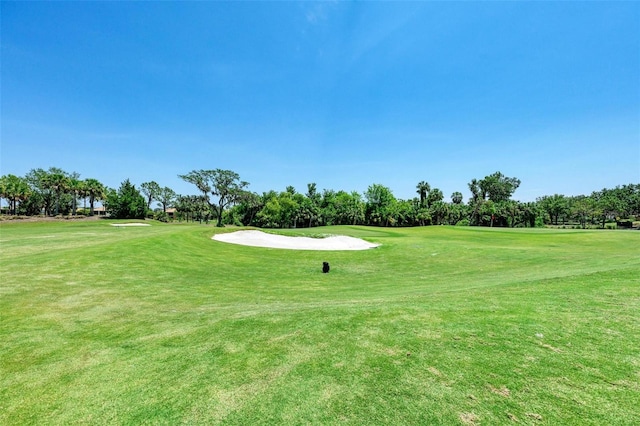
[{"x": 343, "y": 94}]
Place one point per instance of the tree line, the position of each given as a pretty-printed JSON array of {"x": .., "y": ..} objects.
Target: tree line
[{"x": 224, "y": 198}]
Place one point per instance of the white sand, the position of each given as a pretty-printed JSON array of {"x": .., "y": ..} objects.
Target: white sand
[
  {"x": 130, "y": 224},
  {"x": 262, "y": 239}
]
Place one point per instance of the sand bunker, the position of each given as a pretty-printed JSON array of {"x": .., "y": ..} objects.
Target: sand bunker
[
  {"x": 262, "y": 239},
  {"x": 130, "y": 224}
]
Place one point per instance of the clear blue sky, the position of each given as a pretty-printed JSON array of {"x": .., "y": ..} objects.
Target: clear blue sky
[{"x": 344, "y": 94}]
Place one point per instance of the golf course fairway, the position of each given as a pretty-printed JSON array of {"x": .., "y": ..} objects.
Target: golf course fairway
[{"x": 161, "y": 324}]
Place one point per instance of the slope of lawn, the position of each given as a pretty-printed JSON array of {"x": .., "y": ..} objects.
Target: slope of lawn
[{"x": 439, "y": 325}]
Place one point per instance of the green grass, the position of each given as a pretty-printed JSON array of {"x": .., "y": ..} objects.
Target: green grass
[{"x": 439, "y": 325}]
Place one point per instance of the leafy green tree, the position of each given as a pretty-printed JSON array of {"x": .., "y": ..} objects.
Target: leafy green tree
[
  {"x": 245, "y": 210},
  {"x": 312, "y": 193},
  {"x": 555, "y": 205},
  {"x": 328, "y": 211},
  {"x": 380, "y": 205},
  {"x": 422, "y": 216},
  {"x": 583, "y": 209},
  {"x": 225, "y": 185},
  {"x": 457, "y": 212},
  {"x": 488, "y": 212},
  {"x": 530, "y": 214},
  {"x": 607, "y": 204},
  {"x": 289, "y": 209},
  {"x": 300, "y": 218},
  {"x": 512, "y": 211},
  {"x": 498, "y": 187},
  {"x": 37, "y": 179},
  {"x": 312, "y": 212},
  {"x": 270, "y": 215},
  {"x": 193, "y": 207},
  {"x": 151, "y": 191},
  {"x": 439, "y": 212},
  {"x": 355, "y": 209},
  {"x": 349, "y": 208},
  {"x": 405, "y": 213},
  {"x": 165, "y": 196},
  {"x": 488, "y": 196},
  {"x": 435, "y": 196},
  {"x": 126, "y": 203},
  {"x": 52, "y": 190},
  {"x": 628, "y": 197},
  {"x": 633, "y": 199}
]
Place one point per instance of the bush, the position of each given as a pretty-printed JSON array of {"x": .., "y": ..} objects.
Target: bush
[
  {"x": 463, "y": 222},
  {"x": 611, "y": 226},
  {"x": 161, "y": 216}
]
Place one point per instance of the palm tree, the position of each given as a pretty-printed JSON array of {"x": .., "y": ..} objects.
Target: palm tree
[
  {"x": 95, "y": 191},
  {"x": 75, "y": 188},
  {"x": 58, "y": 183},
  {"x": 82, "y": 192},
  {"x": 435, "y": 195},
  {"x": 456, "y": 197},
  {"x": 14, "y": 189},
  {"x": 477, "y": 199},
  {"x": 423, "y": 188},
  {"x": 4, "y": 188}
]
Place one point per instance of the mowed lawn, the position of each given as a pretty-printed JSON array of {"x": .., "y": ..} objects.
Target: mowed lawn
[{"x": 439, "y": 325}]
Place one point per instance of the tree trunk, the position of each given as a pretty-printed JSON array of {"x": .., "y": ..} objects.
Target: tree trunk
[{"x": 219, "y": 213}]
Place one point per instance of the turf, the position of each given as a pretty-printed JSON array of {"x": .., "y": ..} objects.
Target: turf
[{"x": 439, "y": 325}]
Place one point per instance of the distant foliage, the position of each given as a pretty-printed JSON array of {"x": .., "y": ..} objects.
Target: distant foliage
[
  {"x": 126, "y": 203},
  {"x": 225, "y": 198}
]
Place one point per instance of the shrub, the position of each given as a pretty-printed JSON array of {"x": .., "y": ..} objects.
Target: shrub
[
  {"x": 161, "y": 216},
  {"x": 463, "y": 222}
]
